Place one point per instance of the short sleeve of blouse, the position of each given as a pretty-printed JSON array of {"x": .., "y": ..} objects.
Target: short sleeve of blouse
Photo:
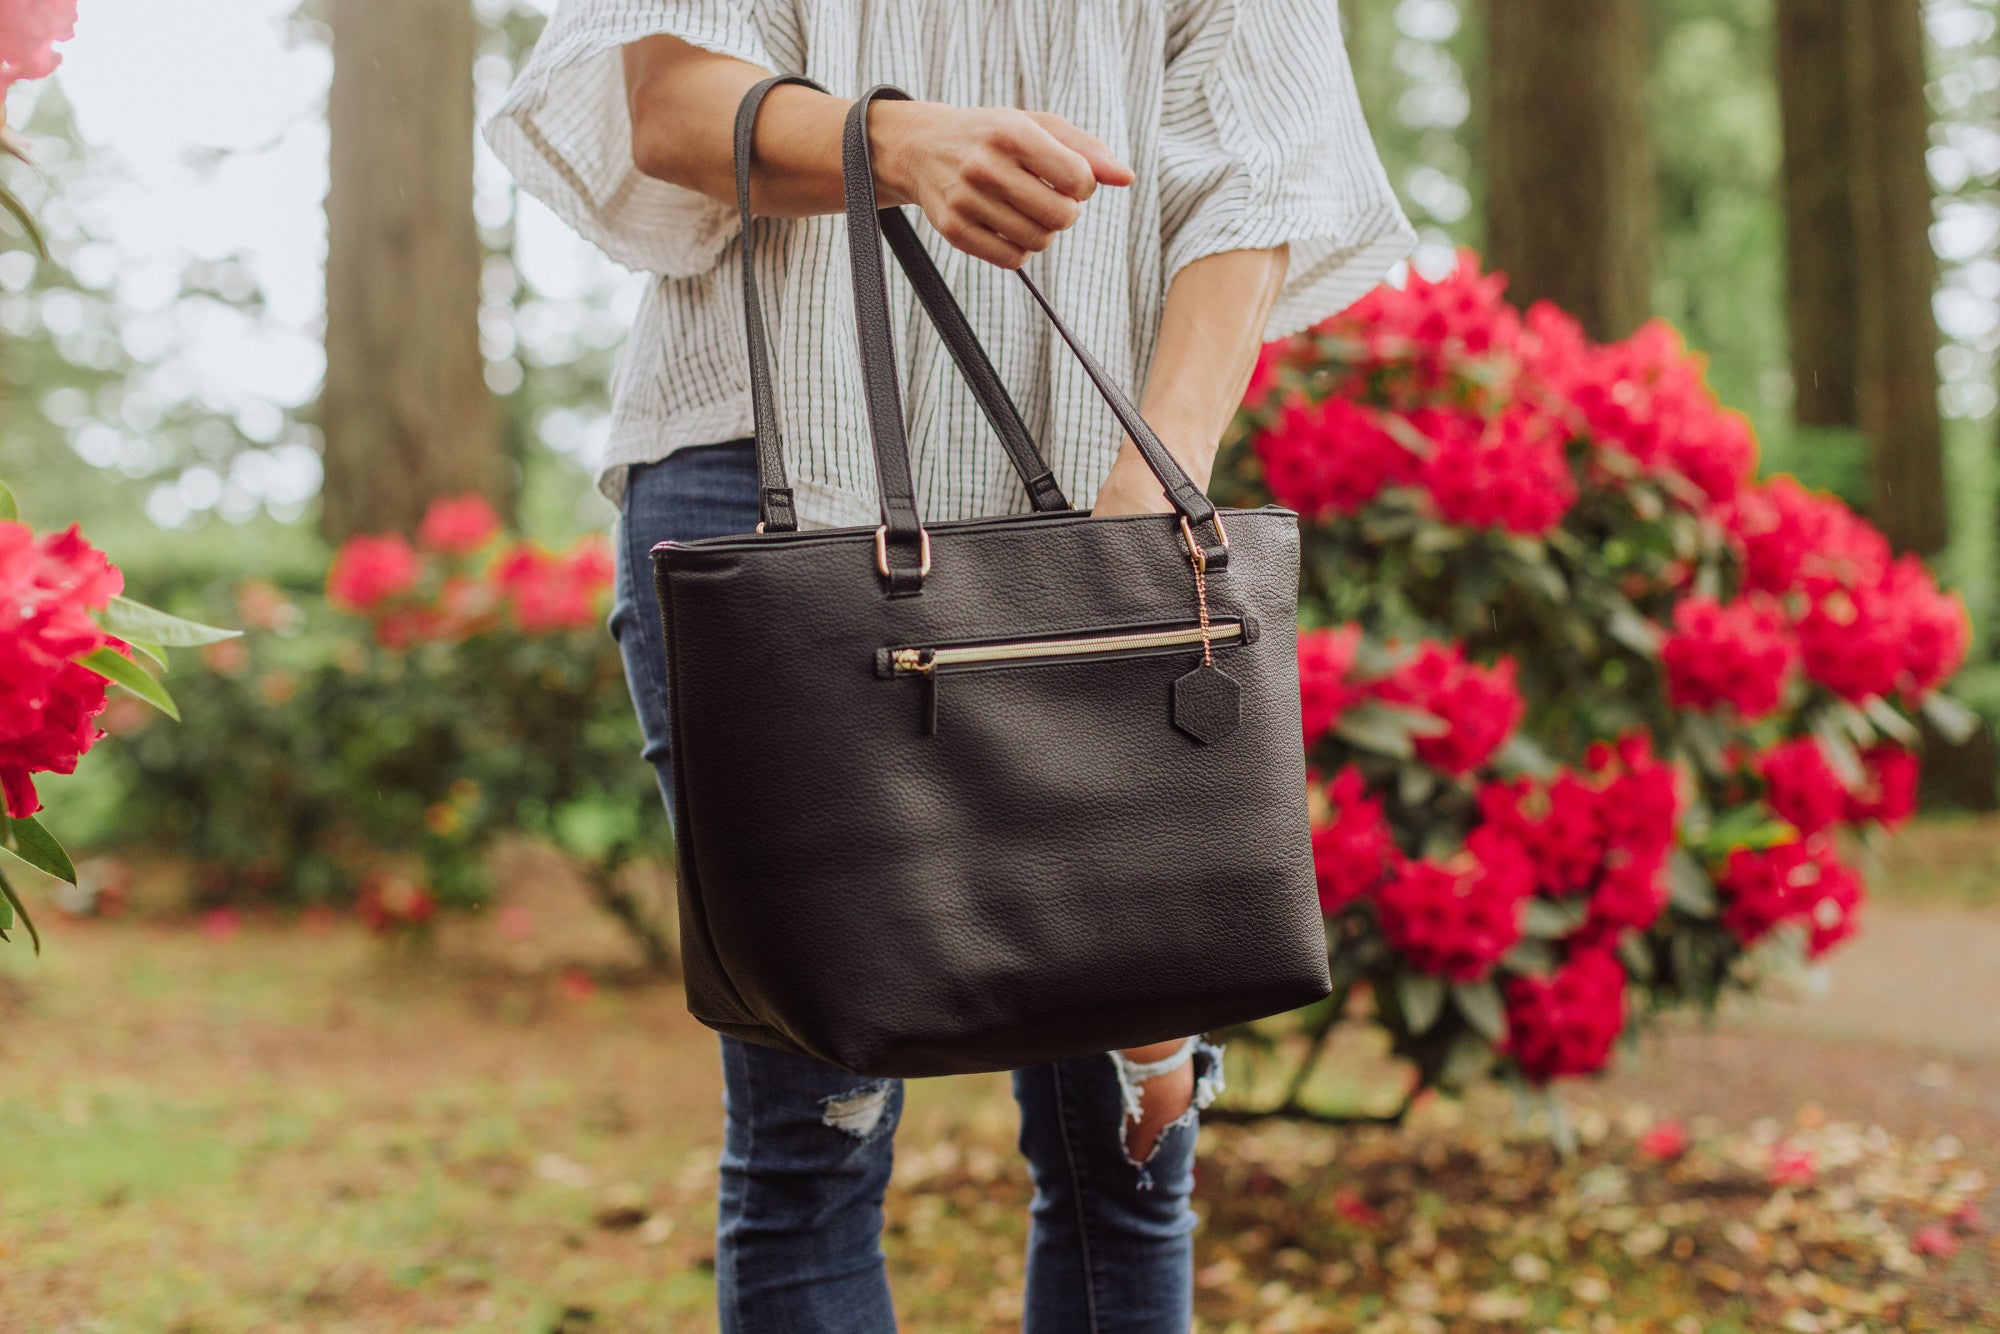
[
  {"x": 565, "y": 133},
  {"x": 1263, "y": 144}
]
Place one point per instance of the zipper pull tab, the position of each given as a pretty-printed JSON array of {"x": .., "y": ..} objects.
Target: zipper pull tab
[
  {"x": 917, "y": 662},
  {"x": 930, "y": 703}
]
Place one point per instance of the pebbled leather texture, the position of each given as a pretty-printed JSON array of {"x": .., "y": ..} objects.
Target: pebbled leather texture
[{"x": 1038, "y": 860}]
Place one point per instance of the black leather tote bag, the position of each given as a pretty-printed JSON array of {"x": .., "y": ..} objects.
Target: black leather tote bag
[{"x": 988, "y": 793}]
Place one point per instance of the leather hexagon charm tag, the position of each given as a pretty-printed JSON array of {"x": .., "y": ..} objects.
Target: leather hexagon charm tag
[{"x": 1208, "y": 704}]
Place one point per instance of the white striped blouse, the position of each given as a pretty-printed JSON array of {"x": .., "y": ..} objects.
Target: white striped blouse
[{"x": 1238, "y": 116}]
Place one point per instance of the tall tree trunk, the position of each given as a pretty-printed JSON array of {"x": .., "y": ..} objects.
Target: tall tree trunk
[
  {"x": 405, "y": 408},
  {"x": 1821, "y": 304},
  {"x": 1570, "y": 205},
  {"x": 1897, "y": 390}
]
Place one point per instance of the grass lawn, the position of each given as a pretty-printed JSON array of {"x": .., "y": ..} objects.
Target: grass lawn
[{"x": 295, "y": 1129}]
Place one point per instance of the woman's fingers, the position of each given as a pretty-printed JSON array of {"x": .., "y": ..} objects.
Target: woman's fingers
[
  {"x": 1105, "y": 167},
  {"x": 996, "y": 213}
]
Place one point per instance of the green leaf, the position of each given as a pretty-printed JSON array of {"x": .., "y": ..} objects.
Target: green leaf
[
  {"x": 1467, "y": 1061},
  {"x": 20, "y": 910},
  {"x": 12, "y": 203},
  {"x": 1840, "y": 753},
  {"x": 153, "y": 653},
  {"x": 1891, "y": 723},
  {"x": 1632, "y": 630},
  {"x": 1632, "y": 952},
  {"x": 9, "y": 509},
  {"x": 1422, "y": 999},
  {"x": 1387, "y": 729},
  {"x": 133, "y": 621},
  {"x": 1522, "y": 756},
  {"x": 1954, "y": 722},
  {"x": 1692, "y": 891},
  {"x": 118, "y": 669},
  {"x": 1547, "y": 919},
  {"x": 1415, "y": 785},
  {"x": 1482, "y": 1007},
  {"x": 1531, "y": 958},
  {"x": 35, "y": 845}
]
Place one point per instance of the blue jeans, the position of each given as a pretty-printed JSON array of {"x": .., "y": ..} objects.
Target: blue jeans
[{"x": 807, "y": 1146}]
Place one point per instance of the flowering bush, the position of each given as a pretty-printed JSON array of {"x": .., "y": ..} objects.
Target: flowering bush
[
  {"x": 1596, "y": 704},
  {"x": 371, "y": 748},
  {"x": 66, "y": 637}
]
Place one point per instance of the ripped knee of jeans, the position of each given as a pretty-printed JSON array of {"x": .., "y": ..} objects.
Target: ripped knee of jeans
[
  {"x": 858, "y": 1112},
  {"x": 1133, "y": 1076}
]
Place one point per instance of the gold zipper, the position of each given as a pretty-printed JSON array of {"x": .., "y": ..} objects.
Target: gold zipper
[{"x": 927, "y": 660}]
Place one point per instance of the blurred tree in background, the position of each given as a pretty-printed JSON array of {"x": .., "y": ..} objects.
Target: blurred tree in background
[{"x": 405, "y": 410}]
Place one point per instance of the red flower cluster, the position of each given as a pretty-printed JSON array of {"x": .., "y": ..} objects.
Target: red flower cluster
[
  {"x": 1332, "y": 459},
  {"x": 1799, "y": 540},
  {"x": 1896, "y": 633},
  {"x": 48, "y": 704},
  {"x": 458, "y": 526},
  {"x": 410, "y": 600},
  {"x": 1459, "y": 917},
  {"x": 1413, "y": 342},
  {"x": 1354, "y": 850},
  {"x": 1327, "y": 687},
  {"x": 1509, "y": 472},
  {"x": 1889, "y": 796},
  {"x": 1478, "y": 705},
  {"x": 1801, "y": 786},
  {"x": 1606, "y": 833},
  {"x": 1565, "y": 1024},
  {"x": 369, "y": 570},
  {"x": 1646, "y": 398},
  {"x": 1741, "y": 654},
  {"x": 1801, "y": 881},
  {"x": 389, "y": 903}
]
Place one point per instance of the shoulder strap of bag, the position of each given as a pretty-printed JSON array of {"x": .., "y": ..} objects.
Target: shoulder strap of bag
[
  {"x": 902, "y": 531},
  {"x": 775, "y": 506}
]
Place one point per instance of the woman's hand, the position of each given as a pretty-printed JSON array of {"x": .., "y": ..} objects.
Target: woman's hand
[{"x": 996, "y": 183}]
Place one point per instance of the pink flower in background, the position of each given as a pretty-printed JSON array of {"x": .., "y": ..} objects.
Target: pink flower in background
[
  {"x": 1666, "y": 1141},
  {"x": 370, "y": 570},
  {"x": 458, "y": 525},
  {"x": 48, "y": 704},
  {"x": 1478, "y": 705},
  {"x": 1740, "y": 654},
  {"x": 29, "y": 31},
  {"x": 1326, "y": 677},
  {"x": 1793, "y": 1166}
]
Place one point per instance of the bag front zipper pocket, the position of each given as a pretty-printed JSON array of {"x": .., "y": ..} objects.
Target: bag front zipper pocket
[{"x": 929, "y": 663}]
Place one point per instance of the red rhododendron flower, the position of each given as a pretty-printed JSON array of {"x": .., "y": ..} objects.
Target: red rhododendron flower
[
  {"x": 1331, "y": 458},
  {"x": 1793, "y": 1165},
  {"x": 29, "y": 31},
  {"x": 1801, "y": 882},
  {"x": 590, "y": 563},
  {"x": 1801, "y": 786},
  {"x": 388, "y": 902},
  {"x": 1897, "y": 633},
  {"x": 1565, "y": 1024},
  {"x": 368, "y": 570},
  {"x": 1458, "y": 918},
  {"x": 1889, "y": 796},
  {"x": 1355, "y": 849},
  {"x": 1326, "y": 671},
  {"x": 1741, "y": 655},
  {"x": 458, "y": 525},
  {"x": 1509, "y": 473},
  {"x": 1640, "y": 796},
  {"x": 1630, "y": 896},
  {"x": 1793, "y": 538},
  {"x": 1559, "y": 825},
  {"x": 547, "y": 592},
  {"x": 1665, "y": 1141},
  {"x": 48, "y": 704},
  {"x": 1646, "y": 398},
  {"x": 1411, "y": 342},
  {"x": 1478, "y": 705}
]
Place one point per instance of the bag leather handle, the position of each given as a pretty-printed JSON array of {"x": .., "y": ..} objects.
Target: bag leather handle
[
  {"x": 901, "y": 525},
  {"x": 775, "y": 506}
]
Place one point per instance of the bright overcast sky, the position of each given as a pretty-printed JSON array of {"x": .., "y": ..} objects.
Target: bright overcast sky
[{"x": 205, "y": 138}]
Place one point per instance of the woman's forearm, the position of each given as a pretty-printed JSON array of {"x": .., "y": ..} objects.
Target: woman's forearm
[
  {"x": 1210, "y": 331},
  {"x": 998, "y": 183}
]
